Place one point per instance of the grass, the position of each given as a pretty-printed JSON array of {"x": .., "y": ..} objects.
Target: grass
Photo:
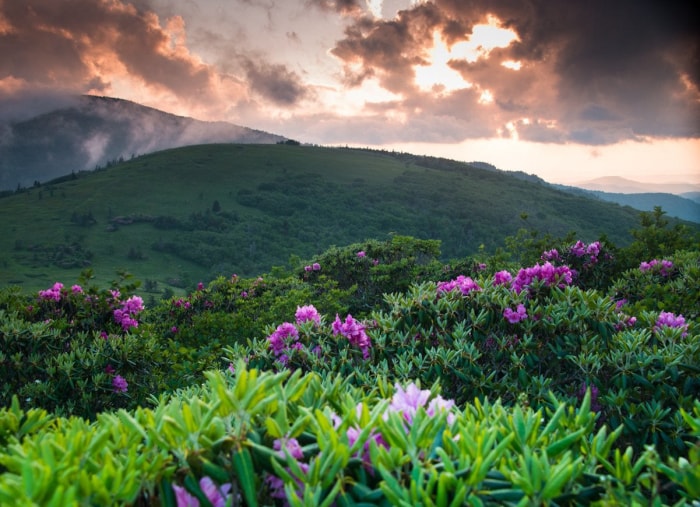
[{"x": 271, "y": 201}]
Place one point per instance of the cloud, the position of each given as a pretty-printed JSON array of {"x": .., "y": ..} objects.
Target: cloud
[
  {"x": 594, "y": 73},
  {"x": 347, "y": 7},
  {"x": 103, "y": 47},
  {"x": 274, "y": 82}
]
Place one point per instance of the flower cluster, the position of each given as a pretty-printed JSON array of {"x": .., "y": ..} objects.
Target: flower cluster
[
  {"x": 285, "y": 447},
  {"x": 126, "y": 315},
  {"x": 354, "y": 331},
  {"x": 218, "y": 496},
  {"x": 307, "y": 313},
  {"x": 502, "y": 278},
  {"x": 551, "y": 255},
  {"x": 464, "y": 283},
  {"x": 313, "y": 267},
  {"x": 668, "y": 319},
  {"x": 546, "y": 273},
  {"x": 120, "y": 384},
  {"x": 515, "y": 316},
  {"x": 286, "y": 336},
  {"x": 407, "y": 402},
  {"x": 54, "y": 293},
  {"x": 663, "y": 266},
  {"x": 579, "y": 249}
]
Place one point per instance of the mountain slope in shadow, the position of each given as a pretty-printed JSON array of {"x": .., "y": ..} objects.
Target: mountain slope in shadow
[{"x": 95, "y": 131}]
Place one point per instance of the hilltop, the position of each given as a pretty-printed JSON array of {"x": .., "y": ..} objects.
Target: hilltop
[
  {"x": 86, "y": 132},
  {"x": 183, "y": 215}
]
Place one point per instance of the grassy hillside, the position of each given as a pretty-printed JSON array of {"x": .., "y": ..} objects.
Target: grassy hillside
[{"x": 176, "y": 217}]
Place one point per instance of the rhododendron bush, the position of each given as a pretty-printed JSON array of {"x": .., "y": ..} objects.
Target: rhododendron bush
[{"x": 371, "y": 374}]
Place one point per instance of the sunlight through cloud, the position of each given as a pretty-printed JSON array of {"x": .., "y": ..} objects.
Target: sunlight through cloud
[{"x": 438, "y": 75}]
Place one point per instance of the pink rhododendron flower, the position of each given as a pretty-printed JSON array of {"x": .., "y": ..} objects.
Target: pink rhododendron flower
[
  {"x": 464, "y": 283},
  {"x": 217, "y": 495},
  {"x": 361, "y": 253},
  {"x": 668, "y": 319},
  {"x": 54, "y": 293},
  {"x": 307, "y": 268},
  {"x": 579, "y": 249},
  {"x": 316, "y": 266},
  {"x": 502, "y": 278},
  {"x": 282, "y": 338},
  {"x": 515, "y": 316},
  {"x": 76, "y": 289},
  {"x": 307, "y": 313},
  {"x": 547, "y": 273},
  {"x": 120, "y": 384},
  {"x": 290, "y": 445},
  {"x": 354, "y": 331},
  {"x": 550, "y": 255},
  {"x": 408, "y": 401}
]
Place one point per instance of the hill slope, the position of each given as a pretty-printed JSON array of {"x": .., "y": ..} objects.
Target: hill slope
[
  {"x": 189, "y": 214},
  {"x": 97, "y": 130}
]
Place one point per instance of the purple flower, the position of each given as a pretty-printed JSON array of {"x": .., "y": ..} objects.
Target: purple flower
[
  {"x": 282, "y": 337},
  {"x": 361, "y": 253},
  {"x": 550, "y": 255},
  {"x": 375, "y": 262},
  {"x": 307, "y": 268},
  {"x": 109, "y": 369},
  {"x": 407, "y": 402},
  {"x": 200, "y": 286},
  {"x": 354, "y": 331},
  {"x": 464, "y": 283},
  {"x": 515, "y": 316},
  {"x": 668, "y": 319},
  {"x": 546, "y": 273},
  {"x": 120, "y": 384},
  {"x": 54, "y": 293},
  {"x": 502, "y": 278},
  {"x": 316, "y": 266},
  {"x": 218, "y": 496},
  {"x": 76, "y": 289},
  {"x": 579, "y": 249},
  {"x": 290, "y": 445},
  {"x": 595, "y": 406},
  {"x": 307, "y": 313}
]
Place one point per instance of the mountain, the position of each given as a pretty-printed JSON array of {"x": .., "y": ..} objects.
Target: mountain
[
  {"x": 176, "y": 217},
  {"x": 94, "y": 131},
  {"x": 673, "y": 205},
  {"x": 615, "y": 184},
  {"x": 679, "y": 206}
]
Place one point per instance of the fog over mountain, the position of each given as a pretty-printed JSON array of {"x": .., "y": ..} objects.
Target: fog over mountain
[{"x": 83, "y": 132}]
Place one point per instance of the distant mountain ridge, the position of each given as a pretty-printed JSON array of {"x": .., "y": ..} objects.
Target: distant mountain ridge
[
  {"x": 616, "y": 184},
  {"x": 678, "y": 206},
  {"x": 97, "y": 130}
]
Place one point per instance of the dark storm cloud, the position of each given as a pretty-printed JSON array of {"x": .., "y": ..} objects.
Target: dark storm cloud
[
  {"x": 80, "y": 43},
  {"x": 598, "y": 72},
  {"x": 274, "y": 82}
]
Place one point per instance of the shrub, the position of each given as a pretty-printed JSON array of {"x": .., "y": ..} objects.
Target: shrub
[{"x": 259, "y": 438}]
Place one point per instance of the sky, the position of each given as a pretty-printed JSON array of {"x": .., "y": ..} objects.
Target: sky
[{"x": 570, "y": 90}]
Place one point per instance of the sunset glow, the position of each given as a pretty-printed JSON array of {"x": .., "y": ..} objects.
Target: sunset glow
[{"x": 546, "y": 81}]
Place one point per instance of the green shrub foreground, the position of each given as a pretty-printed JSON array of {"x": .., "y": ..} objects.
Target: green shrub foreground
[
  {"x": 256, "y": 438},
  {"x": 370, "y": 375}
]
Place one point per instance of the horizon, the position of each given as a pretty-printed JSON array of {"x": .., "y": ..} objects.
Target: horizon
[{"x": 566, "y": 92}]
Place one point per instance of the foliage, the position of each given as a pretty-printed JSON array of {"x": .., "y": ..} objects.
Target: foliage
[
  {"x": 77, "y": 351},
  {"x": 274, "y": 201},
  {"x": 258, "y": 438}
]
